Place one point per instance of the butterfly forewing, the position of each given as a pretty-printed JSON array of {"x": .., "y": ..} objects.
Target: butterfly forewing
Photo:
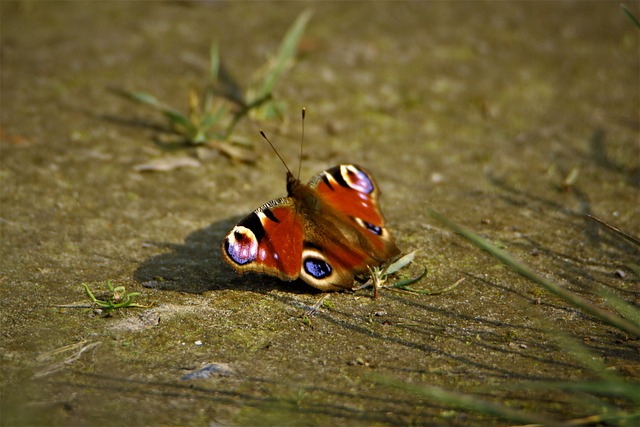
[{"x": 355, "y": 192}]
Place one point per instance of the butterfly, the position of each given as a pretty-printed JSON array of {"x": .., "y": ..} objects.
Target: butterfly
[{"x": 324, "y": 232}]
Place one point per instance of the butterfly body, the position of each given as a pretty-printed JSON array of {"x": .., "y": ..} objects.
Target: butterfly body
[{"x": 325, "y": 232}]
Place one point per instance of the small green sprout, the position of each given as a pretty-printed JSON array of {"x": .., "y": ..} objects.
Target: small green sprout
[
  {"x": 379, "y": 275},
  {"x": 118, "y": 298},
  {"x": 214, "y": 114}
]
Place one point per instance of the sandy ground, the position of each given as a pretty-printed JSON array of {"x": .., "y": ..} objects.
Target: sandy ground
[{"x": 479, "y": 110}]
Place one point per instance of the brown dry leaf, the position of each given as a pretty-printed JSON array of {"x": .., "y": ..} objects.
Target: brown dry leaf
[
  {"x": 167, "y": 164},
  {"x": 233, "y": 152}
]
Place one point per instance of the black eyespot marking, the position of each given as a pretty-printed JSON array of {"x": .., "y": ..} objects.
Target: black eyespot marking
[
  {"x": 310, "y": 245},
  {"x": 373, "y": 228},
  {"x": 269, "y": 214},
  {"x": 252, "y": 222},
  {"x": 326, "y": 181},
  {"x": 336, "y": 173},
  {"x": 317, "y": 268}
]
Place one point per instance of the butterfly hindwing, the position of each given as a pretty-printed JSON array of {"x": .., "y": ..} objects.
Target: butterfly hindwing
[{"x": 330, "y": 264}]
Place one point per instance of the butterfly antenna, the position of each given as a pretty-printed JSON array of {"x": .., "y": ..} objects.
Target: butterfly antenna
[
  {"x": 304, "y": 110},
  {"x": 276, "y": 151}
]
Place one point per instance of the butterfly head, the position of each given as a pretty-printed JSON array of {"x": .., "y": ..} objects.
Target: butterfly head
[{"x": 292, "y": 183}]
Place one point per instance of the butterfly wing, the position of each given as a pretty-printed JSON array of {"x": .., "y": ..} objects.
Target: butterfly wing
[
  {"x": 329, "y": 263},
  {"x": 353, "y": 191},
  {"x": 345, "y": 230},
  {"x": 267, "y": 241}
]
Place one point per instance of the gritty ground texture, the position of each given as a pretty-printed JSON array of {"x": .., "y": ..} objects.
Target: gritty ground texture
[{"x": 480, "y": 110}]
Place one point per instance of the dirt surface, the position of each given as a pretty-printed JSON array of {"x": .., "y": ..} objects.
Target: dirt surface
[{"x": 480, "y": 110}]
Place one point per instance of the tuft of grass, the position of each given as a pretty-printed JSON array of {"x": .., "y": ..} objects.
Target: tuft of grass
[
  {"x": 379, "y": 275},
  {"x": 116, "y": 298},
  {"x": 268, "y": 78},
  {"x": 214, "y": 114}
]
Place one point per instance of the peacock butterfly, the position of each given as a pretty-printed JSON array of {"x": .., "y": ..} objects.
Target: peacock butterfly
[{"x": 325, "y": 232}]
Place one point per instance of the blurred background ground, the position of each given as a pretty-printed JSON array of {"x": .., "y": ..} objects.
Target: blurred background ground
[{"x": 480, "y": 110}]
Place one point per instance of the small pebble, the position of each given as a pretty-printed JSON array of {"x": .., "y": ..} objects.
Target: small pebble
[
  {"x": 153, "y": 284},
  {"x": 437, "y": 178},
  {"x": 219, "y": 369}
]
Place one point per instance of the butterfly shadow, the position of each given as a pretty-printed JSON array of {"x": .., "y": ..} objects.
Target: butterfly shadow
[{"x": 196, "y": 266}]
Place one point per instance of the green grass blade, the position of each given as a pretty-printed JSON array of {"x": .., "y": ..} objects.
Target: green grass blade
[
  {"x": 404, "y": 284},
  {"x": 626, "y": 236},
  {"x": 212, "y": 118},
  {"x": 468, "y": 402},
  {"x": 627, "y": 310},
  {"x": 526, "y": 271},
  {"x": 140, "y": 97},
  {"x": 214, "y": 72},
  {"x": 630, "y": 15},
  {"x": 175, "y": 117},
  {"x": 214, "y": 62},
  {"x": 179, "y": 119},
  {"x": 105, "y": 305},
  {"x": 147, "y": 99},
  {"x": 286, "y": 52},
  {"x": 89, "y": 293},
  {"x": 582, "y": 354},
  {"x": 616, "y": 388},
  {"x": 400, "y": 263},
  {"x": 633, "y": 267}
]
